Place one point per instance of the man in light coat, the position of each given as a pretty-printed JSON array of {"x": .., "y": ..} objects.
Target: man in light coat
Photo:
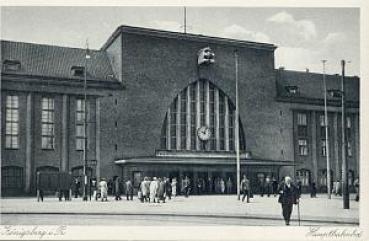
[
  {"x": 145, "y": 189},
  {"x": 153, "y": 189}
]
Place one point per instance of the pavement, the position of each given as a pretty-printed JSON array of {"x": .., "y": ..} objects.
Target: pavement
[{"x": 320, "y": 209}]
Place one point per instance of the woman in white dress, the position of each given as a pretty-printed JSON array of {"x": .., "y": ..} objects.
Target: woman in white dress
[{"x": 174, "y": 187}]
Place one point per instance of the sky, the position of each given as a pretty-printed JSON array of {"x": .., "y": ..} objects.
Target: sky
[{"x": 304, "y": 36}]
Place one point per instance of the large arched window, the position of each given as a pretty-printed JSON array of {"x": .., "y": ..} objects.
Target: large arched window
[{"x": 201, "y": 105}]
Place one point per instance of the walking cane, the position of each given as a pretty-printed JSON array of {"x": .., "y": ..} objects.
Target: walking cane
[{"x": 298, "y": 211}]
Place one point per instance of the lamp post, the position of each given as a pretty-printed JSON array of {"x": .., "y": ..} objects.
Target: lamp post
[
  {"x": 326, "y": 133},
  {"x": 341, "y": 93},
  {"x": 345, "y": 191},
  {"x": 87, "y": 56},
  {"x": 237, "y": 135}
]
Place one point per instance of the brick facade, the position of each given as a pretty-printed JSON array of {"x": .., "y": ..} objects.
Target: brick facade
[{"x": 150, "y": 68}]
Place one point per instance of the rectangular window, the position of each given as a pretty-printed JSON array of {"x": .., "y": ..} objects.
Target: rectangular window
[
  {"x": 303, "y": 176},
  {"x": 301, "y": 124},
  {"x": 12, "y": 122},
  {"x": 349, "y": 149},
  {"x": 323, "y": 145},
  {"x": 303, "y": 148},
  {"x": 47, "y": 123},
  {"x": 81, "y": 136},
  {"x": 301, "y": 119}
]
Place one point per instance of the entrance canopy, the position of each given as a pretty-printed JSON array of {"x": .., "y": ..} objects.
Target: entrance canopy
[{"x": 211, "y": 161}]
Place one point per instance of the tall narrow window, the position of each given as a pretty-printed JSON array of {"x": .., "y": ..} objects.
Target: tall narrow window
[
  {"x": 231, "y": 127},
  {"x": 323, "y": 145},
  {"x": 47, "y": 123},
  {"x": 212, "y": 116},
  {"x": 322, "y": 126},
  {"x": 193, "y": 116},
  {"x": 348, "y": 127},
  {"x": 12, "y": 122},
  {"x": 183, "y": 120},
  {"x": 301, "y": 124},
  {"x": 80, "y": 124},
  {"x": 349, "y": 148},
  {"x": 173, "y": 125},
  {"x": 202, "y": 109},
  {"x": 163, "y": 142},
  {"x": 221, "y": 122},
  {"x": 303, "y": 148}
]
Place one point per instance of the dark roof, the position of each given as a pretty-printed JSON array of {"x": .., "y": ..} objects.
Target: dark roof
[
  {"x": 186, "y": 36},
  {"x": 310, "y": 85},
  {"x": 54, "y": 61}
]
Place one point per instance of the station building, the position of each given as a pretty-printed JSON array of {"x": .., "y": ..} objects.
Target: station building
[{"x": 153, "y": 110}]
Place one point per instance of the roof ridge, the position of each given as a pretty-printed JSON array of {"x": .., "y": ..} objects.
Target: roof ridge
[
  {"x": 48, "y": 45},
  {"x": 316, "y": 73}
]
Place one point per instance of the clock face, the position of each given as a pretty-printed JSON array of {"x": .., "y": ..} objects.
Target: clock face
[{"x": 204, "y": 133}]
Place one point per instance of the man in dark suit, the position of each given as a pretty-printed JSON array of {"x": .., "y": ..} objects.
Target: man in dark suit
[
  {"x": 245, "y": 188},
  {"x": 288, "y": 195}
]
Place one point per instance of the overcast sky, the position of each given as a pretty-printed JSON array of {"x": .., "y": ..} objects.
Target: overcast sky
[{"x": 304, "y": 36}]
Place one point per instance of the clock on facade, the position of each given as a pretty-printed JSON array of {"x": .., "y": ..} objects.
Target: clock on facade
[{"x": 204, "y": 133}]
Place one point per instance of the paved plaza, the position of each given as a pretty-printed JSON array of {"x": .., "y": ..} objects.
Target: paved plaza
[{"x": 264, "y": 209}]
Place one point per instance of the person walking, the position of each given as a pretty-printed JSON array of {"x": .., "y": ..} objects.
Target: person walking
[
  {"x": 161, "y": 190},
  {"x": 357, "y": 190},
  {"x": 129, "y": 190},
  {"x": 229, "y": 185},
  {"x": 210, "y": 185},
  {"x": 153, "y": 189},
  {"x": 174, "y": 187},
  {"x": 76, "y": 186},
  {"x": 110, "y": 186},
  {"x": 222, "y": 186},
  {"x": 146, "y": 189},
  {"x": 288, "y": 196},
  {"x": 199, "y": 186},
  {"x": 187, "y": 187},
  {"x": 275, "y": 186},
  {"x": 103, "y": 185},
  {"x": 245, "y": 188},
  {"x": 168, "y": 188},
  {"x": 313, "y": 190},
  {"x": 267, "y": 186},
  {"x": 117, "y": 190}
]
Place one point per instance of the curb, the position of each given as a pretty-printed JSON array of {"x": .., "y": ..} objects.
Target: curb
[{"x": 353, "y": 222}]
